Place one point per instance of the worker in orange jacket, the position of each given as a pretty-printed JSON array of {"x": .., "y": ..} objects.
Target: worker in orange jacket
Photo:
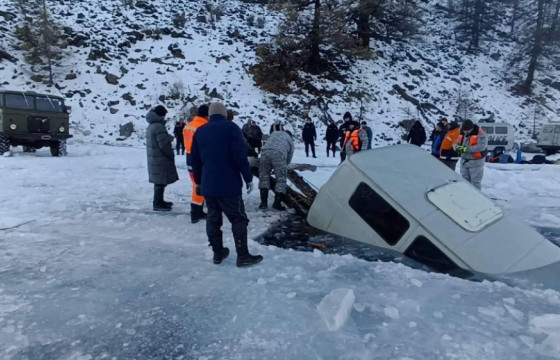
[
  {"x": 197, "y": 201},
  {"x": 447, "y": 153}
]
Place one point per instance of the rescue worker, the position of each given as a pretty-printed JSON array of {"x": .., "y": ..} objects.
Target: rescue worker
[
  {"x": 331, "y": 136},
  {"x": 197, "y": 200},
  {"x": 219, "y": 166},
  {"x": 355, "y": 140},
  {"x": 178, "y": 132},
  {"x": 472, "y": 148},
  {"x": 276, "y": 154},
  {"x": 369, "y": 133},
  {"x": 447, "y": 153},
  {"x": 342, "y": 133},
  {"x": 309, "y": 135},
  {"x": 161, "y": 158}
]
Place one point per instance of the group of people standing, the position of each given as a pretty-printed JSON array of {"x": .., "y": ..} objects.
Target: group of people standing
[
  {"x": 451, "y": 143},
  {"x": 218, "y": 166}
]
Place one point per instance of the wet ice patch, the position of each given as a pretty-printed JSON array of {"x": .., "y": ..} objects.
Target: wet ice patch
[{"x": 335, "y": 308}]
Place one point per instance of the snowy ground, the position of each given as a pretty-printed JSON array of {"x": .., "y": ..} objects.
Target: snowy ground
[{"x": 93, "y": 273}]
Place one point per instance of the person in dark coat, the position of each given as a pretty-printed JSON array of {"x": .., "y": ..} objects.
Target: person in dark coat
[
  {"x": 253, "y": 134},
  {"x": 161, "y": 158},
  {"x": 220, "y": 165},
  {"x": 178, "y": 132},
  {"x": 417, "y": 134},
  {"x": 309, "y": 135},
  {"x": 438, "y": 137},
  {"x": 342, "y": 130},
  {"x": 331, "y": 136}
]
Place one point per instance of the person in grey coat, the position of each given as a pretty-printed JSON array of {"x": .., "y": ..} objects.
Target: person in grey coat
[
  {"x": 369, "y": 133},
  {"x": 276, "y": 154},
  {"x": 472, "y": 147},
  {"x": 161, "y": 158}
]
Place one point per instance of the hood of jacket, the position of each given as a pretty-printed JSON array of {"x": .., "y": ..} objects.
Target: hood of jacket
[{"x": 152, "y": 118}]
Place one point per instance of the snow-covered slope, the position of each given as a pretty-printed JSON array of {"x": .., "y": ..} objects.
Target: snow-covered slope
[{"x": 147, "y": 60}]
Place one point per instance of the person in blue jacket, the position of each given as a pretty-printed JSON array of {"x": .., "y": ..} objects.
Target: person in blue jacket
[
  {"x": 439, "y": 135},
  {"x": 219, "y": 166}
]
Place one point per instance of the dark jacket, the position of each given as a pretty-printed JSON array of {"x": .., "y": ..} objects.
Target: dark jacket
[
  {"x": 417, "y": 134},
  {"x": 253, "y": 134},
  {"x": 161, "y": 158},
  {"x": 332, "y": 133},
  {"x": 369, "y": 133},
  {"x": 219, "y": 158},
  {"x": 178, "y": 130},
  {"x": 436, "y": 144},
  {"x": 309, "y": 133}
]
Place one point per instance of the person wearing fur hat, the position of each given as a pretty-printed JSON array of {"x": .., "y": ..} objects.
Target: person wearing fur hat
[
  {"x": 197, "y": 200},
  {"x": 219, "y": 166},
  {"x": 161, "y": 158}
]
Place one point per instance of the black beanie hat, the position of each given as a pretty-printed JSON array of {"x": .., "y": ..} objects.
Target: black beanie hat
[
  {"x": 467, "y": 125},
  {"x": 347, "y": 115},
  {"x": 440, "y": 125},
  {"x": 160, "y": 110},
  {"x": 202, "y": 110}
]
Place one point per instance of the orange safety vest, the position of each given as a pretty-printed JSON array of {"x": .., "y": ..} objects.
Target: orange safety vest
[
  {"x": 354, "y": 137},
  {"x": 473, "y": 140},
  {"x": 451, "y": 138},
  {"x": 190, "y": 129}
]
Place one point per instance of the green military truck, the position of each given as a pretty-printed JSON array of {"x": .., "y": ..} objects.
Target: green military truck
[{"x": 33, "y": 121}]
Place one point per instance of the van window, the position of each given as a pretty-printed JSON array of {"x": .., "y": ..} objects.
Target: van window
[
  {"x": 1, "y": 100},
  {"x": 44, "y": 103},
  {"x": 19, "y": 101},
  {"x": 557, "y": 130},
  {"x": 547, "y": 129},
  {"x": 425, "y": 252},
  {"x": 488, "y": 130},
  {"x": 501, "y": 130},
  {"x": 378, "y": 214}
]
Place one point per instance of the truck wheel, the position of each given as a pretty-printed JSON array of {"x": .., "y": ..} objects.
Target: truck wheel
[
  {"x": 58, "y": 148},
  {"x": 4, "y": 144}
]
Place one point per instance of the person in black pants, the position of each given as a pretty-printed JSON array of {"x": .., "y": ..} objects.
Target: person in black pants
[
  {"x": 331, "y": 137},
  {"x": 178, "y": 132},
  {"x": 342, "y": 133},
  {"x": 309, "y": 135}
]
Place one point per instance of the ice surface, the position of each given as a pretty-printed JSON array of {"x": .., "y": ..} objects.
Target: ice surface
[{"x": 335, "y": 308}]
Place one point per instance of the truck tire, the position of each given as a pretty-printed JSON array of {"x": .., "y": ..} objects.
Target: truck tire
[
  {"x": 58, "y": 148},
  {"x": 4, "y": 144}
]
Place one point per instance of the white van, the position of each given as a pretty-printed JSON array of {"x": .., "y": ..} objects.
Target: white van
[
  {"x": 403, "y": 199},
  {"x": 549, "y": 138},
  {"x": 499, "y": 134}
]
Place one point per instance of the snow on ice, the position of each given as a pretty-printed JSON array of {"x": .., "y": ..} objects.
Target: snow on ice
[{"x": 92, "y": 272}]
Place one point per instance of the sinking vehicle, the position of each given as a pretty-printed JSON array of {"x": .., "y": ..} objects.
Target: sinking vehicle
[
  {"x": 401, "y": 198},
  {"x": 33, "y": 120}
]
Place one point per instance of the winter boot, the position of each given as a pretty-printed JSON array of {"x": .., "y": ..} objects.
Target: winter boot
[
  {"x": 220, "y": 254},
  {"x": 243, "y": 256},
  {"x": 264, "y": 199},
  {"x": 197, "y": 213},
  {"x": 159, "y": 204},
  {"x": 277, "y": 205},
  {"x": 168, "y": 203}
]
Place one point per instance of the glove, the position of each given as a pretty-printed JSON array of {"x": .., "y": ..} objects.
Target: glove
[
  {"x": 250, "y": 187},
  {"x": 462, "y": 149}
]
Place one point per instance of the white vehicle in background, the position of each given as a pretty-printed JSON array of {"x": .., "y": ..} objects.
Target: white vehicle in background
[
  {"x": 499, "y": 134},
  {"x": 549, "y": 138},
  {"x": 403, "y": 199}
]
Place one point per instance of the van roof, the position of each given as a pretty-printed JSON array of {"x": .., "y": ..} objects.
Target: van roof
[{"x": 29, "y": 93}]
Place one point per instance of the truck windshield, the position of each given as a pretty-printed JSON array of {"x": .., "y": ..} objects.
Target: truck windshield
[
  {"x": 19, "y": 101},
  {"x": 44, "y": 103}
]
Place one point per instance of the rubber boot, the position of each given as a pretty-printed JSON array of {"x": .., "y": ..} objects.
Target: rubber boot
[
  {"x": 220, "y": 253},
  {"x": 277, "y": 205},
  {"x": 264, "y": 199},
  {"x": 158, "y": 203},
  {"x": 197, "y": 213},
  {"x": 244, "y": 258}
]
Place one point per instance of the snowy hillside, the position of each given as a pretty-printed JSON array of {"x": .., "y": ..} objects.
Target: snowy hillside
[{"x": 121, "y": 61}]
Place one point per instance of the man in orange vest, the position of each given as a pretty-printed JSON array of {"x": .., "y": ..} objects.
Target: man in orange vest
[
  {"x": 447, "y": 153},
  {"x": 197, "y": 201},
  {"x": 472, "y": 148},
  {"x": 355, "y": 140}
]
